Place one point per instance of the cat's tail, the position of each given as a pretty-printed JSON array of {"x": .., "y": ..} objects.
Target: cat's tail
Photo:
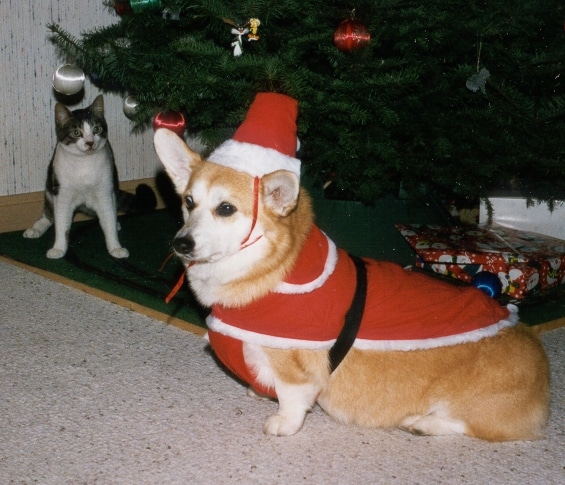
[{"x": 141, "y": 202}]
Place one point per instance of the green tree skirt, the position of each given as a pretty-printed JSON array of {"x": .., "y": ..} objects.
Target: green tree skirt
[{"x": 142, "y": 278}]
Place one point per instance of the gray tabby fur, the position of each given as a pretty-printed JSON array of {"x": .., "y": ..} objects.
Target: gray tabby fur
[{"x": 81, "y": 176}]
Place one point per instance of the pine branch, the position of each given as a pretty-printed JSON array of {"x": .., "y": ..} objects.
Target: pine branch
[
  {"x": 65, "y": 41},
  {"x": 396, "y": 109}
]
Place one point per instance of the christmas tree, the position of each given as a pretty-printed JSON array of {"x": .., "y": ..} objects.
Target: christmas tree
[{"x": 445, "y": 96}]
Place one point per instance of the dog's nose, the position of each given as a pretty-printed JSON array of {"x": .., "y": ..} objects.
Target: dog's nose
[{"x": 183, "y": 245}]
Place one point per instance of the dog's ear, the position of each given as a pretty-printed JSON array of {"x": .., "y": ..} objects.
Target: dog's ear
[
  {"x": 179, "y": 160},
  {"x": 280, "y": 191}
]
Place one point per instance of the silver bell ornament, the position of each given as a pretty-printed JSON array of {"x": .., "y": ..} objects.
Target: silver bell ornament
[
  {"x": 68, "y": 79},
  {"x": 130, "y": 106}
]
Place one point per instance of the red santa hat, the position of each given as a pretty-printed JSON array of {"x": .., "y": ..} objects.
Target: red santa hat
[{"x": 266, "y": 140}]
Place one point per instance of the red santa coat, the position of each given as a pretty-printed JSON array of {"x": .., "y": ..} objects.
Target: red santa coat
[{"x": 404, "y": 310}]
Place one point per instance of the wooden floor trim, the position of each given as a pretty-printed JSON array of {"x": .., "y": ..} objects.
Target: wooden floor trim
[
  {"x": 149, "y": 312},
  {"x": 18, "y": 212}
]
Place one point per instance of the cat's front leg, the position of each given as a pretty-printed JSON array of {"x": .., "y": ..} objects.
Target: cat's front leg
[
  {"x": 107, "y": 215},
  {"x": 44, "y": 222},
  {"x": 39, "y": 228},
  {"x": 63, "y": 211}
]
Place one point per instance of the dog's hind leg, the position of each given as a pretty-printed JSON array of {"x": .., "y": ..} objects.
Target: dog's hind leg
[
  {"x": 434, "y": 423},
  {"x": 295, "y": 400}
]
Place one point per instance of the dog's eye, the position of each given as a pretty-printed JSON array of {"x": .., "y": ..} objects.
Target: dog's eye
[
  {"x": 189, "y": 202},
  {"x": 225, "y": 209}
]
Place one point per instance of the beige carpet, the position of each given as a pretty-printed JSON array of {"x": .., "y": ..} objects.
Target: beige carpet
[{"x": 94, "y": 393}]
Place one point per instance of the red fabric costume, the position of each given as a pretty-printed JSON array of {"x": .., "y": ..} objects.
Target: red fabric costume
[{"x": 404, "y": 310}]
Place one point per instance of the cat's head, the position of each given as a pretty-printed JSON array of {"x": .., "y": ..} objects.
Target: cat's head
[{"x": 82, "y": 131}]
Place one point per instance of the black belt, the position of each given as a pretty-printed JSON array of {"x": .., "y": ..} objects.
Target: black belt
[{"x": 350, "y": 328}]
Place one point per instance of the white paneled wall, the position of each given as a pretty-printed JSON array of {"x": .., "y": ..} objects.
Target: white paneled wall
[{"x": 27, "y": 62}]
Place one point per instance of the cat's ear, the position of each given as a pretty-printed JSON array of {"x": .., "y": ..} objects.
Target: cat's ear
[
  {"x": 179, "y": 160},
  {"x": 62, "y": 114},
  {"x": 97, "y": 106}
]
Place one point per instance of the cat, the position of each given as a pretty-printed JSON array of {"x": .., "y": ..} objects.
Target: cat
[{"x": 82, "y": 176}]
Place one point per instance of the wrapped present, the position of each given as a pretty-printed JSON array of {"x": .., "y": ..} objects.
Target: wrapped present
[{"x": 525, "y": 262}]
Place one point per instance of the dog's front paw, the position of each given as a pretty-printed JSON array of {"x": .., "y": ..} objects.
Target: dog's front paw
[
  {"x": 119, "y": 253},
  {"x": 55, "y": 253},
  {"x": 279, "y": 425}
]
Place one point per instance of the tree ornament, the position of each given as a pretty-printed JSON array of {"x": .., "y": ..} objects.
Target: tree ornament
[
  {"x": 172, "y": 120},
  {"x": 68, "y": 79},
  {"x": 351, "y": 34},
  {"x": 487, "y": 282},
  {"x": 250, "y": 28},
  {"x": 237, "y": 44},
  {"x": 239, "y": 31},
  {"x": 478, "y": 81},
  {"x": 124, "y": 7},
  {"x": 253, "y": 28},
  {"x": 171, "y": 13},
  {"x": 130, "y": 106}
]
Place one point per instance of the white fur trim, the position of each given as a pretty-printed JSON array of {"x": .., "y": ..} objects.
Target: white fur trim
[
  {"x": 329, "y": 267},
  {"x": 217, "y": 325},
  {"x": 253, "y": 159},
  {"x": 460, "y": 338}
]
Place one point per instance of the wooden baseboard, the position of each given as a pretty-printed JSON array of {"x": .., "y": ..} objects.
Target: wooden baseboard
[{"x": 18, "y": 212}]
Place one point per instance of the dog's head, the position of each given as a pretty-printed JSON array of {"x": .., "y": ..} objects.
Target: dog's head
[{"x": 225, "y": 210}]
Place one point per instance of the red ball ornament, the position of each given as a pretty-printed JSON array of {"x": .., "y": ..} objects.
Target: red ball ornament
[
  {"x": 172, "y": 120},
  {"x": 123, "y": 7},
  {"x": 351, "y": 35}
]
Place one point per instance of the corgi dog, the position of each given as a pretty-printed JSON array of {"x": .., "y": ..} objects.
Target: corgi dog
[{"x": 280, "y": 302}]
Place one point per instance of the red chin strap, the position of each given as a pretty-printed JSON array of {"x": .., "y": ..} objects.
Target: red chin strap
[
  {"x": 178, "y": 285},
  {"x": 244, "y": 244}
]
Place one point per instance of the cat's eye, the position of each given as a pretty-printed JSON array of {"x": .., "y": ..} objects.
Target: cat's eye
[
  {"x": 225, "y": 209},
  {"x": 76, "y": 132},
  {"x": 96, "y": 130},
  {"x": 189, "y": 202}
]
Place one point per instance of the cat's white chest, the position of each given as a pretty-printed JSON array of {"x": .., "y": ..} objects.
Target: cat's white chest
[{"x": 84, "y": 171}]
